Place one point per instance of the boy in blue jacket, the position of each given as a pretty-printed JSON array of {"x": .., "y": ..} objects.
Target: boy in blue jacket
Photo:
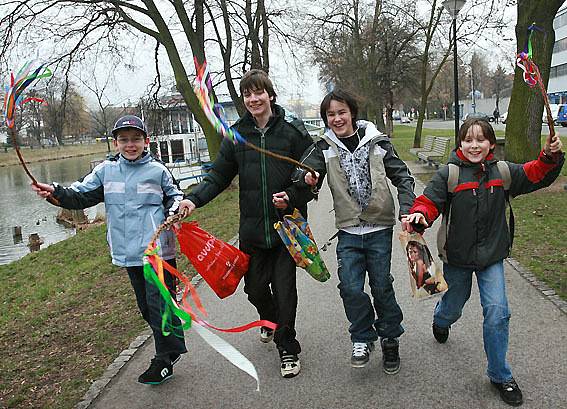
[
  {"x": 137, "y": 191},
  {"x": 477, "y": 239}
]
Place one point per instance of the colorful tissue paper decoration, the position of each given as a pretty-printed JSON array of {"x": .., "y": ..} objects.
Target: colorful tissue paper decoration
[
  {"x": 532, "y": 76},
  {"x": 154, "y": 268},
  {"x": 214, "y": 112},
  {"x": 15, "y": 91}
]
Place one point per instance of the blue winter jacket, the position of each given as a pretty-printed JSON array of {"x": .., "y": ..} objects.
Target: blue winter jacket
[{"x": 136, "y": 196}]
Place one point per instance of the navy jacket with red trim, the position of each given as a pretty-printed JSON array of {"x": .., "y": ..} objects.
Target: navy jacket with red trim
[{"x": 477, "y": 232}]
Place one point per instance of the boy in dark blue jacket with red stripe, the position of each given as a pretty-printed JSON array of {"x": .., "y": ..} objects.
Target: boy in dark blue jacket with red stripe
[{"x": 477, "y": 238}]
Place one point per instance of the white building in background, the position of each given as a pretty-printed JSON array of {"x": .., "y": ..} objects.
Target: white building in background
[{"x": 557, "y": 87}]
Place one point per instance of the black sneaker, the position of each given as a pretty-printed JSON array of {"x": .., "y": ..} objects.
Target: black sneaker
[
  {"x": 361, "y": 354},
  {"x": 158, "y": 372},
  {"x": 174, "y": 358},
  {"x": 290, "y": 365},
  {"x": 266, "y": 334},
  {"x": 441, "y": 334},
  {"x": 390, "y": 355},
  {"x": 509, "y": 392}
]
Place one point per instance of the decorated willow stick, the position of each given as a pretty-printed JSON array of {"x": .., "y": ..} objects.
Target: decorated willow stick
[
  {"x": 14, "y": 98},
  {"x": 532, "y": 77},
  {"x": 203, "y": 90}
]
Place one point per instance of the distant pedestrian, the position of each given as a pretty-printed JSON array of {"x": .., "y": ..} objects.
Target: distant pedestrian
[
  {"x": 477, "y": 238},
  {"x": 137, "y": 192},
  {"x": 496, "y": 115},
  {"x": 359, "y": 160}
]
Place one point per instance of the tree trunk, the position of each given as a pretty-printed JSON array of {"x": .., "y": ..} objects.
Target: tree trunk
[{"x": 523, "y": 124}]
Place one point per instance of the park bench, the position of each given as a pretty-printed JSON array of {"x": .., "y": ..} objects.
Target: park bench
[
  {"x": 427, "y": 145},
  {"x": 437, "y": 152}
]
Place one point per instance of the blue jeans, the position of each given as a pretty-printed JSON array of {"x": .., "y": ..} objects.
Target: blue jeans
[
  {"x": 492, "y": 288},
  {"x": 357, "y": 255}
]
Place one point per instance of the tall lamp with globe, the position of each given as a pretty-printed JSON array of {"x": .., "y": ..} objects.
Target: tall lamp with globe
[{"x": 453, "y": 7}]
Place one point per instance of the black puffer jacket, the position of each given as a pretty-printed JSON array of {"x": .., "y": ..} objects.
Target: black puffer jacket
[
  {"x": 477, "y": 233},
  {"x": 260, "y": 176}
]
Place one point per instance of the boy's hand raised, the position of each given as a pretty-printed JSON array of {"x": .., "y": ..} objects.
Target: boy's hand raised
[
  {"x": 553, "y": 146},
  {"x": 42, "y": 189}
]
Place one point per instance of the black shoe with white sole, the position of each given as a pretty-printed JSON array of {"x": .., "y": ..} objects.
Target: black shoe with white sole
[{"x": 158, "y": 372}]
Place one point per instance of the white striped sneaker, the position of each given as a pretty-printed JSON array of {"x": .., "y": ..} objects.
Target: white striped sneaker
[
  {"x": 361, "y": 354},
  {"x": 290, "y": 365}
]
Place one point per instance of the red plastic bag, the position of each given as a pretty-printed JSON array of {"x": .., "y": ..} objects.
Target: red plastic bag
[{"x": 220, "y": 264}]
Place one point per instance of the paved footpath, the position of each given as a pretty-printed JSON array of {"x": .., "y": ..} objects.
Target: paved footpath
[{"x": 431, "y": 376}]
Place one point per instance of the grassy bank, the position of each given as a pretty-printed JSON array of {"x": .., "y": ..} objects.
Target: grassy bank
[
  {"x": 540, "y": 220},
  {"x": 9, "y": 157},
  {"x": 67, "y": 312}
]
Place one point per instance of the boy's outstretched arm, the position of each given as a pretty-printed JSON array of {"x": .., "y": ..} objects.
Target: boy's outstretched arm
[
  {"x": 538, "y": 173},
  {"x": 219, "y": 177},
  {"x": 43, "y": 189},
  {"x": 314, "y": 158},
  {"x": 80, "y": 195},
  {"x": 428, "y": 206}
]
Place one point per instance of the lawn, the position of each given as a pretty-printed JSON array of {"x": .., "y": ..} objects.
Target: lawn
[
  {"x": 540, "y": 221},
  {"x": 67, "y": 312}
]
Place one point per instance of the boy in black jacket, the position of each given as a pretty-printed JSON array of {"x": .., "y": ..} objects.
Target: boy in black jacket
[
  {"x": 477, "y": 237},
  {"x": 265, "y": 189}
]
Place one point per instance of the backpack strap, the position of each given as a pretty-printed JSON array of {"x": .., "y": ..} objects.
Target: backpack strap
[
  {"x": 504, "y": 170},
  {"x": 452, "y": 181},
  {"x": 505, "y": 173},
  {"x": 453, "y": 178}
]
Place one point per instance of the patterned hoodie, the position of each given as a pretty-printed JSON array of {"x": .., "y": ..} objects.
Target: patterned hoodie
[{"x": 359, "y": 180}]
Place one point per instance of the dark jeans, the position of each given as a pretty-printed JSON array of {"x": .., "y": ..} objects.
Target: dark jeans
[
  {"x": 271, "y": 287},
  {"x": 151, "y": 305},
  {"x": 357, "y": 255}
]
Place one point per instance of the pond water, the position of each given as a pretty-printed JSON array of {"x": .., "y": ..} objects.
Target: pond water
[{"x": 20, "y": 206}]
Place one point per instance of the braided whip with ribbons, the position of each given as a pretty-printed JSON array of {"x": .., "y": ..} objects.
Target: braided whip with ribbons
[
  {"x": 532, "y": 76},
  {"x": 15, "y": 97}
]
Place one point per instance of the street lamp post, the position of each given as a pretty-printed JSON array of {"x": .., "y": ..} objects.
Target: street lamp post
[{"x": 453, "y": 7}]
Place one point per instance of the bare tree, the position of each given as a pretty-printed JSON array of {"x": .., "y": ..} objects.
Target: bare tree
[
  {"x": 65, "y": 112},
  {"x": 479, "y": 17},
  {"x": 101, "y": 118},
  {"x": 367, "y": 50},
  {"x": 241, "y": 29},
  {"x": 501, "y": 84}
]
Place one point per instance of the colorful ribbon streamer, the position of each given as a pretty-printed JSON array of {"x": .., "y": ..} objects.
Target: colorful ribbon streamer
[
  {"x": 532, "y": 76},
  {"x": 154, "y": 273},
  {"x": 15, "y": 91},
  {"x": 13, "y": 99},
  {"x": 204, "y": 91},
  {"x": 214, "y": 112}
]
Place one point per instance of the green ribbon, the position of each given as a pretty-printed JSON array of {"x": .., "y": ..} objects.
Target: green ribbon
[{"x": 170, "y": 308}]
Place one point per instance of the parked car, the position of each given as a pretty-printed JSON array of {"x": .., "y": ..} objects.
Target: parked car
[
  {"x": 480, "y": 115},
  {"x": 562, "y": 115}
]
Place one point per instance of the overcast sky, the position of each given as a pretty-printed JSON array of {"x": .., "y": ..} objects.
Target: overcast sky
[{"x": 131, "y": 85}]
